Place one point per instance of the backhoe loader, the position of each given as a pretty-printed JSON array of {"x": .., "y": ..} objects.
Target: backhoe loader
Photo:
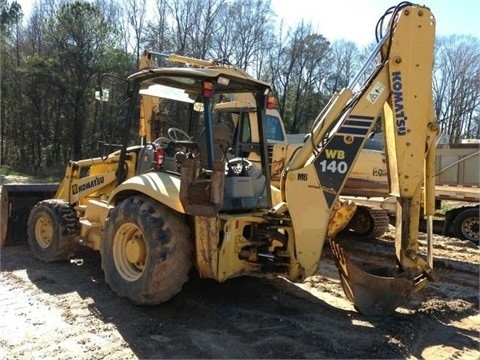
[{"x": 197, "y": 197}]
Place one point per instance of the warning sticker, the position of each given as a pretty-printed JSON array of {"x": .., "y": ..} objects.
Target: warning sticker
[{"x": 376, "y": 91}]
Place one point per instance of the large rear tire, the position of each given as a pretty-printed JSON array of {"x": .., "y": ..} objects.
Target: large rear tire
[
  {"x": 52, "y": 228},
  {"x": 146, "y": 251}
]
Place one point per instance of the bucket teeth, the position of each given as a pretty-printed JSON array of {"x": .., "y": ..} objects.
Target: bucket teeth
[{"x": 374, "y": 295}]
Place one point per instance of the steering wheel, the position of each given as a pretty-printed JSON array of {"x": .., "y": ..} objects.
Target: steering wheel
[
  {"x": 177, "y": 134},
  {"x": 162, "y": 141},
  {"x": 238, "y": 166}
]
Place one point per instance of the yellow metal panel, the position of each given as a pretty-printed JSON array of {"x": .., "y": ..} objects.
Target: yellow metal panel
[
  {"x": 310, "y": 215},
  {"x": 326, "y": 118},
  {"x": 306, "y": 189},
  {"x": 411, "y": 84},
  {"x": 206, "y": 243},
  {"x": 229, "y": 262},
  {"x": 163, "y": 187}
]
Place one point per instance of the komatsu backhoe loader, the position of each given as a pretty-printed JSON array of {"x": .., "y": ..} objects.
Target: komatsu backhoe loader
[{"x": 202, "y": 196}]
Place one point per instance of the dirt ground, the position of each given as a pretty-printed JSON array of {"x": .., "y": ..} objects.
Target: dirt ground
[{"x": 66, "y": 311}]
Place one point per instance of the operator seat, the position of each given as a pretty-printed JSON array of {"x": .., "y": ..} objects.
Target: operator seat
[{"x": 222, "y": 140}]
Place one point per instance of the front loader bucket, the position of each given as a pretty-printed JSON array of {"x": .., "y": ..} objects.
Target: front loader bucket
[
  {"x": 374, "y": 294},
  {"x": 16, "y": 201}
]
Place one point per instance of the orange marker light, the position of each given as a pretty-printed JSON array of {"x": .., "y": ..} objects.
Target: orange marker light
[
  {"x": 270, "y": 102},
  {"x": 207, "y": 89}
]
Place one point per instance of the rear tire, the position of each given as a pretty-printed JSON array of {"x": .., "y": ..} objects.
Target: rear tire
[
  {"x": 146, "y": 251},
  {"x": 466, "y": 225},
  {"x": 52, "y": 228}
]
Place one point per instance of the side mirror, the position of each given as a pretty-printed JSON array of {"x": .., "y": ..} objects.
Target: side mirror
[{"x": 102, "y": 94}]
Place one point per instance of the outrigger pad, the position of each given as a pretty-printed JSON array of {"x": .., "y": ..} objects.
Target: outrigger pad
[{"x": 374, "y": 295}]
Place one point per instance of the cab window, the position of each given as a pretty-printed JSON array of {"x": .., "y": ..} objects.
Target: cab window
[
  {"x": 273, "y": 128},
  {"x": 246, "y": 132}
]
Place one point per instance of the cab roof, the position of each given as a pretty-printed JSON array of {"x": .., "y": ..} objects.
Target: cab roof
[{"x": 226, "y": 79}]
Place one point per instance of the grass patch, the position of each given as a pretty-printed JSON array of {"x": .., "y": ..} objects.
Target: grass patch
[
  {"x": 9, "y": 175},
  {"x": 4, "y": 170}
]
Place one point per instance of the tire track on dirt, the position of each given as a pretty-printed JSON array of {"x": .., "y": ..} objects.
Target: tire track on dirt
[{"x": 55, "y": 332}]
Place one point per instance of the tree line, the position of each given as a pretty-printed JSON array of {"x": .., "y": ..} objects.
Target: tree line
[{"x": 50, "y": 64}]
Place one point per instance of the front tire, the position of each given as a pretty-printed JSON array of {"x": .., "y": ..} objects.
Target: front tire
[
  {"x": 146, "y": 251},
  {"x": 52, "y": 228}
]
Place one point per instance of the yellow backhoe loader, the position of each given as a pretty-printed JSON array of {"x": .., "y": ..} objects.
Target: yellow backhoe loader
[{"x": 201, "y": 196}]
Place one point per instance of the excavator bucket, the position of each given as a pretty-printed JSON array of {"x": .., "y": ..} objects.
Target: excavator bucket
[
  {"x": 16, "y": 201},
  {"x": 377, "y": 292}
]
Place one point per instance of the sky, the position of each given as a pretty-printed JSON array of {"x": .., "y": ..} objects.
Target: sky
[{"x": 355, "y": 20}]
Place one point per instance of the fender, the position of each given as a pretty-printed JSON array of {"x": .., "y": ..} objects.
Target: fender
[{"x": 161, "y": 186}]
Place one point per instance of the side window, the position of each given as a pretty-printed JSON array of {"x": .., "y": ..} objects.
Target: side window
[
  {"x": 246, "y": 132},
  {"x": 273, "y": 128}
]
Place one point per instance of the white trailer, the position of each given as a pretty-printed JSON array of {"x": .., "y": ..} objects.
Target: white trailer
[{"x": 457, "y": 181}]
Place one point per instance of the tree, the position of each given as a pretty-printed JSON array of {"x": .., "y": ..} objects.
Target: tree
[
  {"x": 298, "y": 71},
  {"x": 247, "y": 25},
  {"x": 50, "y": 67},
  {"x": 457, "y": 86},
  {"x": 204, "y": 27},
  {"x": 10, "y": 14},
  {"x": 158, "y": 34},
  {"x": 10, "y": 23},
  {"x": 344, "y": 64},
  {"x": 79, "y": 33},
  {"x": 136, "y": 13},
  {"x": 182, "y": 13},
  {"x": 63, "y": 50}
]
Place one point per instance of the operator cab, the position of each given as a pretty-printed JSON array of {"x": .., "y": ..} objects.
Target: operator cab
[{"x": 208, "y": 147}]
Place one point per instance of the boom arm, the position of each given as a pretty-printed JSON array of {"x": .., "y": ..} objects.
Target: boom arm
[{"x": 401, "y": 86}]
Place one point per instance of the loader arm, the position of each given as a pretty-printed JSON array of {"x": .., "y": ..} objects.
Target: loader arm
[{"x": 400, "y": 87}]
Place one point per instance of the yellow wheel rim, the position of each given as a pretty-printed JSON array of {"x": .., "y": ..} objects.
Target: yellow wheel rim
[
  {"x": 129, "y": 252},
  {"x": 44, "y": 231}
]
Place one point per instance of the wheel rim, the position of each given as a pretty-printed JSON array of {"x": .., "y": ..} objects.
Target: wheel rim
[
  {"x": 44, "y": 231},
  {"x": 362, "y": 222},
  {"x": 470, "y": 228},
  {"x": 129, "y": 252}
]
